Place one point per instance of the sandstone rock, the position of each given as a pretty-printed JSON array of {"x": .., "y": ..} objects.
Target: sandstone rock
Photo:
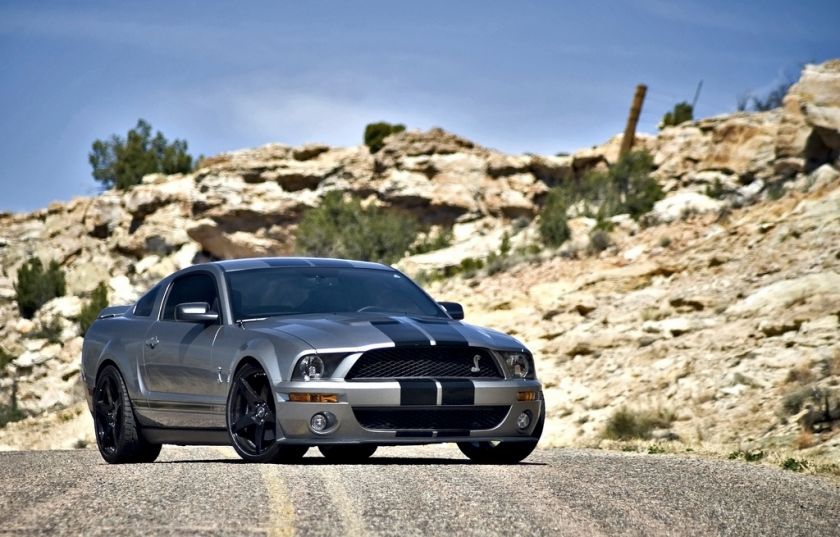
[
  {"x": 778, "y": 296},
  {"x": 64, "y": 307},
  {"x": 24, "y": 326},
  {"x": 810, "y": 124},
  {"x": 681, "y": 205}
]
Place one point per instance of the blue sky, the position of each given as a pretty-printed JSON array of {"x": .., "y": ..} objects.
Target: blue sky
[{"x": 517, "y": 76}]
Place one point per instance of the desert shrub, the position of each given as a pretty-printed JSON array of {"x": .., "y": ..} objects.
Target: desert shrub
[
  {"x": 10, "y": 412},
  {"x": 90, "y": 311},
  {"x": 554, "y": 227},
  {"x": 716, "y": 190},
  {"x": 5, "y": 358},
  {"x": 794, "y": 465},
  {"x": 122, "y": 162},
  {"x": 681, "y": 113},
  {"x": 36, "y": 286},
  {"x": 433, "y": 241},
  {"x": 665, "y": 242},
  {"x": 375, "y": 134},
  {"x": 626, "y": 424},
  {"x": 626, "y": 187},
  {"x": 50, "y": 331},
  {"x": 341, "y": 227},
  {"x": 599, "y": 241}
]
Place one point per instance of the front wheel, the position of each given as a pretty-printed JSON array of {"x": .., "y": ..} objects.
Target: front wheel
[
  {"x": 353, "y": 453},
  {"x": 117, "y": 432},
  {"x": 251, "y": 419},
  {"x": 503, "y": 452}
]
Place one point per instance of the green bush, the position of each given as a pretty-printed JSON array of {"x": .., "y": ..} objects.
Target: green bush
[
  {"x": 626, "y": 424},
  {"x": 599, "y": 241},
  {"x": 344, "y": 228},
  {"x": 50, "y": 331},
  {"x": 433, "y": 241},
  {"x": 794, "y": 465},
  {"x": 36, "y": 286},
  {"x": 5, "y": 358},
  {"x": 681, "y": 113},
  {"x": 375, "y": 134},
  {"x": 90, "y": 311},
  {"x": 554, "y": 227},
  {"x": 122, "y": 162},
  {"x": 626, "y": 187}
]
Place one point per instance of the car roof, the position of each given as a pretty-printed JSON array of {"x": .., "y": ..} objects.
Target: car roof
[{"x": 233, "y": 265}]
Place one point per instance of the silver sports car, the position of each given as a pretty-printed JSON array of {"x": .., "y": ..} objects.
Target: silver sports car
[{"x": 276, "y": 355}]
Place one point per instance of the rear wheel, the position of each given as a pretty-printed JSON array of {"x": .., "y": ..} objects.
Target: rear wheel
[
  {"x": 117, "y": 432},
  {"x": 503, "y": 452},
  {"x": 252, "y": 419},
  {"x": 348, "y": 453}
]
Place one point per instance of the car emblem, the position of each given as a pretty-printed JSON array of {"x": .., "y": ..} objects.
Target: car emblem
[{"x": 475, "y": 368}]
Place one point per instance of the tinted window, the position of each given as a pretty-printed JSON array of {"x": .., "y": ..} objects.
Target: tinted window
[
  {"x": 191, "y": 288},
  {"x": 300, "y": 290},
  {"x": 144, "y": 306}
]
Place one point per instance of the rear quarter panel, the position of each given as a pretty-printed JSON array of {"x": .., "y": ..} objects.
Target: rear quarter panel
[{"x": 118, "y": 340}]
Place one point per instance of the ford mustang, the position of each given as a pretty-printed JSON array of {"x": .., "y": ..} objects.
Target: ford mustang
[{"x": 276, "y": 355}]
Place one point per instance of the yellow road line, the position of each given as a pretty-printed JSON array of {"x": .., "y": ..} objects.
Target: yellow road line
[
  {"x": 348, "y": 512},
  {"x": 281, "y": 513}
]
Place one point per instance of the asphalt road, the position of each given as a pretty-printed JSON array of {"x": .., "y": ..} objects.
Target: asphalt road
[{"x": 409, "y": 491}]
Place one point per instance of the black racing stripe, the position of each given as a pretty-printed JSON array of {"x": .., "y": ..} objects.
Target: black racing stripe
[
  {"x": 400, "y": 333},
  {"x": 418, "y": 392},
  {"x": 443, "y": 333},
  {"x": 457, "y": 392},
  {"x": 415, "y": 434},
  {"x": 453, "y": 432}
]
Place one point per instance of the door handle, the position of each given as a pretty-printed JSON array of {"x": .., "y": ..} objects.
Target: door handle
[{"x": 152, "y": 342}]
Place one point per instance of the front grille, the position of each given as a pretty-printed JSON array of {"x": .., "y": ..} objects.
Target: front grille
[
  {"x": 435, "y": 419},
  {"x": 430, "y": 361}
]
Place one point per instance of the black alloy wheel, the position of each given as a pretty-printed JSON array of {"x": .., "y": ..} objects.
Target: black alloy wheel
[
  {"x": 252, "y": 419},
  {"x": 117, "y": 432}
]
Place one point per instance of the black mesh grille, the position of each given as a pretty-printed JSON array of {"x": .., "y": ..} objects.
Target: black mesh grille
[
  {"x": 431, "y": 361},
  {"x": 436, "y": 419}
]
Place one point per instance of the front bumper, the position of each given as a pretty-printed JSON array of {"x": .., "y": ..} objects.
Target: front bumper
[{"x": 293, "y": 418}]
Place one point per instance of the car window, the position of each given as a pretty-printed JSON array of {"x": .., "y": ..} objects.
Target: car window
[
  {"x": 306, "y": 290},
  {"x": 191, "y": 288},
  {"x": 144, "y": 306}
]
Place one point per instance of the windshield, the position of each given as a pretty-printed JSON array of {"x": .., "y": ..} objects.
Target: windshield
[{"x": 267, "y": 292}]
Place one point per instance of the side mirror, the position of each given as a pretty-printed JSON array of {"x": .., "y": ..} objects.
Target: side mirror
[
  {"x": 455, "y": 310},
  {"x": 195, "y": 312}
]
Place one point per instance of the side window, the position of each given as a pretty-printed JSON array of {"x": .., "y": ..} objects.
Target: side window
[
  {"x": 144, "y": 306},
  {"x": 191, "y": 288}
]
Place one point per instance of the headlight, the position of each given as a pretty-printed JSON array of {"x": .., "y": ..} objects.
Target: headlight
[
  {"x": 519, "y": 364},
  {"x": 311, "y": 367},
  {"x": 316, "y": 366}
]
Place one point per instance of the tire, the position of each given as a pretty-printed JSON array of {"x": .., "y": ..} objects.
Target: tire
[
  {"x": 503, "y": 452},
  {"x": 117, "y": 432},
  {"x": 252, "y": 420},
  {"x": 352, "y": 453}
]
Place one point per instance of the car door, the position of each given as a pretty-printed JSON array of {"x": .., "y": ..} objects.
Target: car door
[{"x": 182, "y": 375}]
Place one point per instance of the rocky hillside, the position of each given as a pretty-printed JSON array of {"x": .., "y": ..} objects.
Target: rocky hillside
[{"x": 718, "y": 314}]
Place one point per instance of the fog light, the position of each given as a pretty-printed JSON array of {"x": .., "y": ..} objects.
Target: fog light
[
  {"x": 318, "y": 422},
  {"x": 523, "y": 420}
]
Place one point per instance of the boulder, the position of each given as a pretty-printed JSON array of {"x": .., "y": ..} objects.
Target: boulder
[
  {"x": 810, "y": 123},
  {"x": 780, "y": 295},
  {"x": 681, "y": 205}
]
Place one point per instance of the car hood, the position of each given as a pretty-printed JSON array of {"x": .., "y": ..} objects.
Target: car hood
[{"x": 361, "y": 331}]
